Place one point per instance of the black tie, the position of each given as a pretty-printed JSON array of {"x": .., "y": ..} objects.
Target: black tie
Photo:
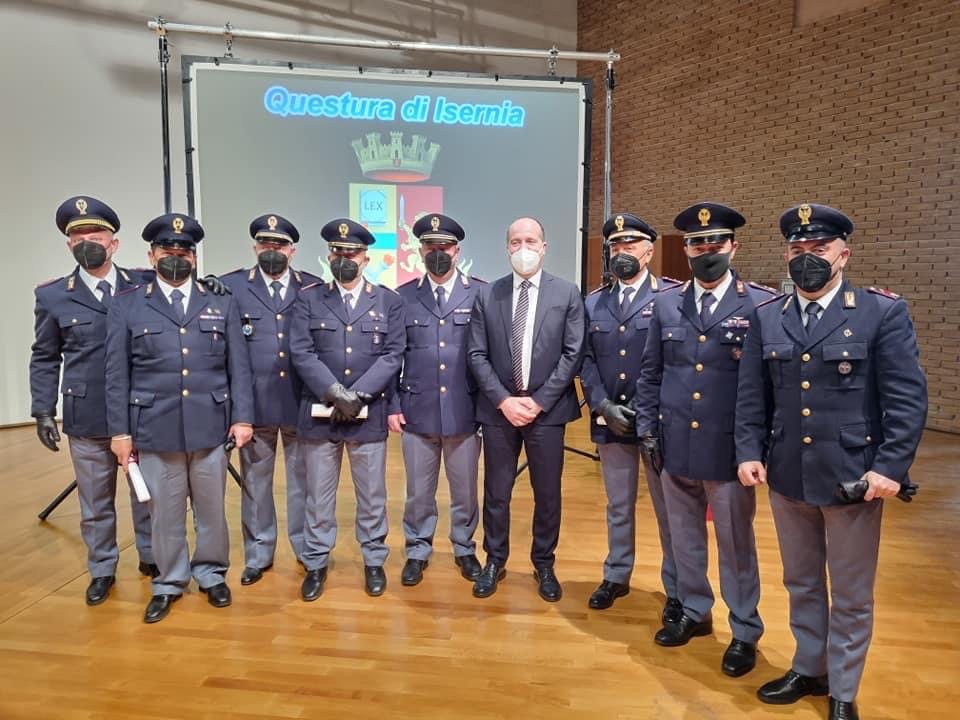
[
  {"x": 348, "y": 304},
  {"x": 441, "y": 300},
  {"x": 104, "y": 287},
  {"x": 812, "y": 310},
  {"x": 627, "y": 299},
  {"x": 277, "y": 293},
  {"x": 176, "y": 299},
  {"x": 516, "y": 340},
  {"x": 706, "y": 302}
]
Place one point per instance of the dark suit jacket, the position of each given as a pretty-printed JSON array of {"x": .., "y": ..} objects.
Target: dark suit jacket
[{"x": 558, "y": 339}]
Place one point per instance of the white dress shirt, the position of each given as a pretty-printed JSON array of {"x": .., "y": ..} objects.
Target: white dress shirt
[
  {"x": 634, "y": 283},
  {"x": 718, "y": 292},
  {"x": 533, "y": 293},
  {"x": 91, "y": 282},
  {"x": 166, "y": 289},
  {"x": 448, "y": 287},
  {"x": 354, "y": 294},
  {"x": 284, "y": 281},
  {"x": 824, "y": 302}
]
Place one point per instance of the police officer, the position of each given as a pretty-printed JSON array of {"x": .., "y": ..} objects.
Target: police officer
[
  {"x": 437, "y": 401},
  {"x": 618, "y": 317},
  {"x": 831, "y": 391},
  {"x": 347, "y": 344},
  {"x": 70, "y": 330},
  {"x": 178, "y": 385},
  {"x": 265, "y": 295},
  {"x": 688, "y": 388}
]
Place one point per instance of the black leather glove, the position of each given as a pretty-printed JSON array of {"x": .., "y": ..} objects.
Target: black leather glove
[
  {"x": 47, "y": 432},
  {"x": 345, "y": 402},
  {"x": 215, "y": 285},
  {"x": 853, "y": 491},
  {"x": 650, "y": 447},
  {"x": 620, "y": 418}
]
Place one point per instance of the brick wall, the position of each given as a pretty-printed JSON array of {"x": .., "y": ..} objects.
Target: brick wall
[{"x": 729, "y": 101}]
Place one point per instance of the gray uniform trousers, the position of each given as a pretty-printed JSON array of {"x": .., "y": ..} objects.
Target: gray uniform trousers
[
  {"x": 421, "y": 459},
  {"x": 171, "y": 478},
  {"x": 620, "y": 465},
  {"x": 844, "y": 540},
  {"x": 734, "y": 507},
  {"x": 258, "y": 511},
  {"x": 95, "y": 467},
  {"x": 368, "y": 466}
]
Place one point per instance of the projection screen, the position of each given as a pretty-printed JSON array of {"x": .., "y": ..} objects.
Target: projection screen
[{"x": 384, "y": 148}]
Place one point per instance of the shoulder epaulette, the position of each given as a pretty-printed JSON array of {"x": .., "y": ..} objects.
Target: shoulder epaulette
[
  {"x": 598, "y": 289},
  {"x": 765, "y": 288},
  {"x": 410, "y": 283},
  {"x": 672, "y": 281},
  {"x": 127, "y": 291},
  {"x": 682, "y": 287},
  {"x": 886, "y": 293},
  {"x": 787, "y": 303},
  {"x": 234, "y": 272},
  {"x": 771, "y": 299},
  {"x": 387, "y": 288},
  {"x": 51, "y": 281},
  {"x": 474, "y": 278},
  {"x": 123, "y": 274},
  {"x": 311, "y": 285}
]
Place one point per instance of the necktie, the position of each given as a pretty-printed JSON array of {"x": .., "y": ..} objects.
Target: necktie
[
  {"x": 277, "y": 293},
  {"x": 627, "y": 299},
  {"x": 104, "y": 287},
  {"x": 348, "y": 304},
  {"x": 176, "y": 299},
  {"x": 441, "y": 299},
  {"x": 812, "y": 310},
  {"x": 706, "y": 302},
  {"x": 516, "y": 340}
]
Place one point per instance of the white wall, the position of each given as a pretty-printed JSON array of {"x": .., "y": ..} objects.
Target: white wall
[{"x": 81, "y": 109}]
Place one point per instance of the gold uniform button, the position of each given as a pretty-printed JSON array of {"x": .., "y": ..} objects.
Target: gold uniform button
[
  {"x": 185, "y": 351},
  {"x": 623, "y": 353},
  {"x": 186, "y": 393},
  {"x": 282, "y": 354},
  {"x": 443, "y": 388},
  {"x": 697, "y": 396},
  {"x": 69, "y": 391},
  {"x": 146, "y": 331},
  {"x": 623, "y": 376},
  {"x": 442, "y": 366},
  {"x": 694, "y": 425},
  {"x": 623, "y": 329},
  {"x": 442, "y": 344},
  {"x": 669, "y": 334},
  {"x": 75, "y": 320},
  {"x": 349, "y": 328},
  {"x": 323, "y": 325},
  {"x": 184, "y": 372},
  {"x": 702, "y": 338},
  {"x": 805, "y": 412},
  {"x": 869, "y": 439},
  {"x": 280, "y": 335},
  {"x": 845, "y": 354},
  {"x": 699, "y": 367},
  {"x": 283, "y": 373},
  {"x": 136, "y": 401},
  {"x": 183, "y": 331},
  {"x": 773, "y": 353},
  {"x": 349, "y": 349},
  {"x": 805, "y": 384},
  {"x": 623, "y": 397},
  {"x": 347, "y": 371},
  {"x": 279, "y": 316},
  {"x": 805, "y": 357},
  {"x": 442, "y": 321},
  {"x": 807, "y": 440}
]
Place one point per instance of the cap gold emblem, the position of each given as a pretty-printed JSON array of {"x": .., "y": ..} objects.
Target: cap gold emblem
[
  {"x": 618, "y": 221},
  {"x": 344, "y": 230},
  {"x": 435, "y": 223},
  {"x": 704, "y": 217},
  {"x": 805, "y": 211},
  {"x": 178, "y": 225},
  {"x": 272, "y": 222},
  {"x": 81, "y": 206}
]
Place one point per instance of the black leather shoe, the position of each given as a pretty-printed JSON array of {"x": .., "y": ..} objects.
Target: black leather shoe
[
  {"x": 99, "y": 589},
  {"x": 791, "y": 687},
  {"x": 150, "y": 570},
  {"x": 218, "y": 595},
  {"x": 549, "y": 589},
  {"x": 486, "y": 584},
  {"x": 672, "y": 611},
  {"x": 413, "y": 572},
  {"x": 739, "y": 658},
  {"x": 375, "y": 580},
  {"x": 680, "y": 633},
  {"x": 312, "y": 586},
  {"x": 469, "y": 567},
  {"x": 252, "y": 574},
  {"x": 159, "y": 607},
  {"x": 606, "y": 593},
  {"x": 840, "y": 710}
]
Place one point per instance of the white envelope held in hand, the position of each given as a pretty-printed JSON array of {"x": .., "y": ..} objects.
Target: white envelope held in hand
[
  {"x": 322, "y": 410},
  {"x": 136, "y": 480}
]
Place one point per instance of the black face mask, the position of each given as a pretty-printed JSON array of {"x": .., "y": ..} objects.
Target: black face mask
[
  {"x": 174, "y": 269},
  {"x": 272, "y": 262},
  {"x": 625, "y": 266},
  {"x": 810, "y": 272},
  {"x": 89, "y": 255},
  {"x": 710, "y": 267},
  {"x": 438, "y": 262},
  {"x": 344, "y": 269}
]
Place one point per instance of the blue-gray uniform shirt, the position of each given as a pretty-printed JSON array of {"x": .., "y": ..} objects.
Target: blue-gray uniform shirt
[
  {"x": 266, "y": 330},
  {"x": 688, "y": 378},
  {"x": 362, "y": 352},
  {"x": 176, "y": 386},
  {"x": 829, "y": 407}
]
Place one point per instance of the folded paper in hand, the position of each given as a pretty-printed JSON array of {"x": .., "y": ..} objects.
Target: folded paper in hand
[{"x": 322, "y": 410}]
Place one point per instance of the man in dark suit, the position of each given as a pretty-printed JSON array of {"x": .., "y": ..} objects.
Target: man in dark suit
[
  {"x": 687, "y": 394},
  {"x": 831, "y": 391},
  {"x": 346, "y": 340},
  {"x": 525, "y": 348},
  {"x": 70, "y": 330},
  {"x": 436, "y": 405},
  {"x": 178, "y": 385},
  {"x": 266, "y": 294},
  {"x": 618, "y": 317}
]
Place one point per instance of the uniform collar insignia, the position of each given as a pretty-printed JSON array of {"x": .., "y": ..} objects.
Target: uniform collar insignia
[{"x": 849, "y": 299}]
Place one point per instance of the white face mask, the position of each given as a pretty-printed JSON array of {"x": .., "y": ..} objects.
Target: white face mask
[{"x": 525, "y": 261}]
